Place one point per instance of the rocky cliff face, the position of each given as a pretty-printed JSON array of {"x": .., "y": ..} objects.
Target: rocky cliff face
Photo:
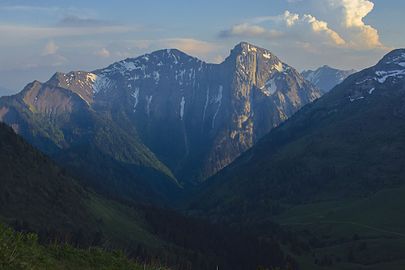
[
  {"x": 198, "y": 117},
  {"x": 195, "y": 117},
  {"x": 262, "y": 92}
]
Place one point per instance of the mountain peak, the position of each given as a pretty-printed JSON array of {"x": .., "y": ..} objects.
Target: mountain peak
[
  {"x": 395, "y": 57},
  {"x": 326, "y": 77},
  {"x": 249, "y": 53},
  {"x": 173, "y": 54},
  {"x": 245, "y": 47}
]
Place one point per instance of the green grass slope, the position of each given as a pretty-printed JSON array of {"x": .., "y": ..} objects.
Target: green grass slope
[
  {"x": 63, "y": 125},
  {"x": 37, "y": 195},
  {"x": 365, "y": 233},
  {"x": 22, "y": 251}
]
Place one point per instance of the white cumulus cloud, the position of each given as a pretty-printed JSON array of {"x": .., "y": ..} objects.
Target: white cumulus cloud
[
  {"x": 249, "y": 30},
  {"x": 311, "y": 24},
  {"x": 288, "y": 26},
  {"x": 352, "y": 14}
]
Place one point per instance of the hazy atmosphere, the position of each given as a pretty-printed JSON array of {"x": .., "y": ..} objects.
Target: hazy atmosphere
[{"x": 38, "y": 39}]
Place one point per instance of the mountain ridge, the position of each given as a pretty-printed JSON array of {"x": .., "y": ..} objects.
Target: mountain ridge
[
  {"x": 299, "y": 149},
  {"x": 326, "y": 77},
  {"x": 187, "y": 119}
]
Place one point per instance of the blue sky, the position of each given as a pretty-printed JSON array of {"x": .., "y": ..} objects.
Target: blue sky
[{"x": 40, "y": 37}]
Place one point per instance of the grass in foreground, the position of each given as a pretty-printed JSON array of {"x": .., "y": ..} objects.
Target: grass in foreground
[{"x": 22, "y": 251}]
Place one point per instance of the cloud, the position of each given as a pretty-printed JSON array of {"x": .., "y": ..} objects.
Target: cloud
[
  {"x": 50, "y": 57},
  {"x": 352, "y": 14},
  {"x": 290, "y": 18},
  {"x": 194, "y": 47},
  {"x": 190, "y": 45},
  {"x": 55, "y": 60},
  {"x": 249, "y": 30},
  {"x": 287, "y": 26},
  {"x": 321, "y": 27},
  {"x": 50, "y": 48},
  {"x": 20, "y": 33},
  {"x": 353, "y": 11},
  {"x": 76, "y": 21},
  {"x": 308, "y": 26},
  {"x": 342, "y": 25},
  {"x": 104, "y": 53},
  {"x": 23, "y": 8}
]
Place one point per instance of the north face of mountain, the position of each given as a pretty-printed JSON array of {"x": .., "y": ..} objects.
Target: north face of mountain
[
  {"x": 329, "y": 150},
  {"x": 325, "y": 78},
  {"x": 143, "y": 124},
  {"x": 198, "y": 117},
  {"x": 263, "y": 93}
]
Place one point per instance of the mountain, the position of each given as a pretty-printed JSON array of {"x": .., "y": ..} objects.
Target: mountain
[
  {"x": 144, "y": 126},
  {"x": 333, "y": 173},
  {"x": 331, "y": 148},
  {"x": 198, "y": 117},
  {"x": 325, "y": 78},
  {"x": 61, "y": 122}
]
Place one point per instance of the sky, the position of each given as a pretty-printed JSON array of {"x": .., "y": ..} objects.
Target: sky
[{"x": 38, "y": 38}]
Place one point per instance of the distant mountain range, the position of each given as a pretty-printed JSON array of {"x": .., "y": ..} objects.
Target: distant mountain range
[
  {"x": 144, "y": 127},
  {"x": 325, "y": 78}
]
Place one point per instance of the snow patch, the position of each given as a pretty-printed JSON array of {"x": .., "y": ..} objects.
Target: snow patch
[
  {"x": 156, "y": 76},
  {"x": 148, "y": 102},
  {"x": 101, "y": 83},
  {"x": 371, "y": 90},
  {"x": 217, "y": 99},
  {"x": 355, "y": 99},
  {"x": 396, "y": 60},
  {"x": 182, "y": 103},
  {"x": 364, "y": 81},
  {"x": 267, "y": 55},
  {"x": 382, "y": 76},
  {"x": 130, "y": 66},
  {"x": 206, "y": 102},
  {"x": 135, "y": 95},
  {"x": 270, "y": 88}
]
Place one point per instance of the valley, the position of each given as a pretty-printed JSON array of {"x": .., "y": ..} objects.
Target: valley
[{"x": 167, "y": 160}]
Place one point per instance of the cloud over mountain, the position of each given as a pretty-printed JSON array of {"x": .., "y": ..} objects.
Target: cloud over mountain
[{"x": 342, "y": 25}]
